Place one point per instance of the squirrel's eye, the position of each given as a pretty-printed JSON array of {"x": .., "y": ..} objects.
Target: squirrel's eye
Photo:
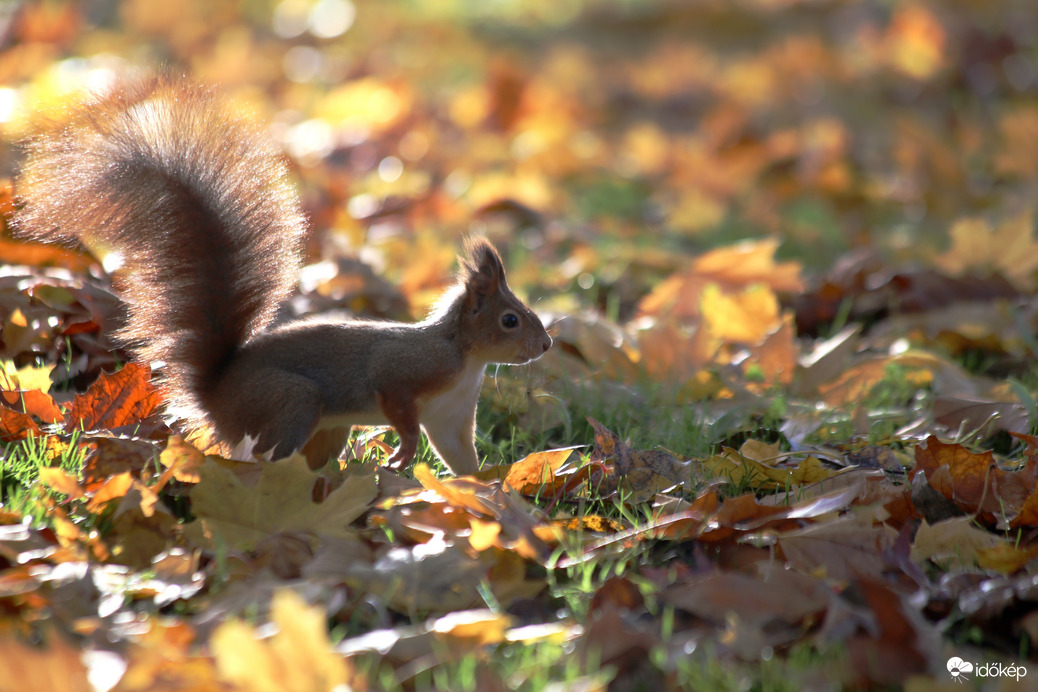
[{"x": 509, "y": 320}]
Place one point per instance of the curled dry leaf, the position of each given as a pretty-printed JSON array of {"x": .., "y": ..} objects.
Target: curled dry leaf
[{"x": 977, "y": 485}]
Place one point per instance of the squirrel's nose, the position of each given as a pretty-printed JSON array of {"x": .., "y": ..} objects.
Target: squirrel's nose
[{"x": 547, "y": 344}]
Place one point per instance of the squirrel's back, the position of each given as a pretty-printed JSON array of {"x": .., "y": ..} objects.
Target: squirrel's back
[{"x": 195, "y": 199}]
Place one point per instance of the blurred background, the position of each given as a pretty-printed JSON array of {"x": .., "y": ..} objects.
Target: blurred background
[
  {"x": 878, "y": 157},
  {"x": 628, "y": 130}
]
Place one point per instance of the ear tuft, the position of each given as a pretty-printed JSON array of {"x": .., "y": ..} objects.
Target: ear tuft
[{"x": 481, "y": 267}]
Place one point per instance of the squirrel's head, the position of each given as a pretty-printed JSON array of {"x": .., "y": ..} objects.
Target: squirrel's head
[{"x": 498, "y": 327}]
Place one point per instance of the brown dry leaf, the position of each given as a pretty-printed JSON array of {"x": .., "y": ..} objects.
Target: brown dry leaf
[
  {"x": 538, "y": 472},
  {"x": 45, "y": 255},
  {"x": 141, "y": 528},
  {"x": 640, "y": 474},
  {"x": 742, "y": 514},
  {"x": 617, "y": 592},
  {"x": 1018, "y": 130},
  {"x": 236, "y": 515},
  {"x": 611, "y": 637},
  {"x": 856, "y": 382},
  {"x": 670, "y": 355},
  {"x": 773, "y": 609},
  {"x": 459, "y": 492},
  {"x": 445, "y": 638},
  {"x": 15, "y": 425},
  {"x": 114, "y": 456},
  {"x": 840, "y": 549},
  {"x": 976, "y": 484},
  {"x": 897, "y": 646},
  {"x": 591, "y": 345},
  {"x": 774, "y": 359},
  {"x": 745, "y": 513},
  {"x": 23, "y": 400},
  {"x": 115, "y": 400},
  {"x": 983, "y": 418},
  {"x": 775, "y": 595},
  {"x": 421, "y": 520},
  {"x": 298, "y": 657}
]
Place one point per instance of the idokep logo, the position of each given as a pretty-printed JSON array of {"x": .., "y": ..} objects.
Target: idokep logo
[{"x": 960, "y": 670}]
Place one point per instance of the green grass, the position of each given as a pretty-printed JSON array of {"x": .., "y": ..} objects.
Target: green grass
[{"x": 20, "y": 464}]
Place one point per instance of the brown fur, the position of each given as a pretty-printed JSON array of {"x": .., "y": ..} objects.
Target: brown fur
[{"x": 199, "y": 204}]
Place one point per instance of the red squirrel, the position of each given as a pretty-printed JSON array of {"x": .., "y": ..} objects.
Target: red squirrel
[{"x": 199, "y": 204}]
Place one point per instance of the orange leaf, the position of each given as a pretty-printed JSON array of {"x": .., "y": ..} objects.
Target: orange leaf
[
  {"x": 459, "y": 492},
  {"x": 113, "y": 488},
  {"x": 537, "y": 471},
  {"x": 15, "y": 425},
  {"x": 35, "y": 403},
  {"x": 182, "y": 462},
  {"x": 115, "y": 400}
]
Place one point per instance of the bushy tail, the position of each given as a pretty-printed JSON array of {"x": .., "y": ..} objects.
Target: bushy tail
[{"x": 198, "y": 203}]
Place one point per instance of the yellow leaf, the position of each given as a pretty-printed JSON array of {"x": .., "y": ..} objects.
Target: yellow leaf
[
  {"x": 484, "y": 534},
  {"x": 297, "y": 658},
  {"x": 1005, "y": 558},
  {"x": 56, "y": 479},
  {"x": 1010, "y": 248},
  {"x": 744, "y": 318},
  {"x": 915, "y": 42},
  {"x": 29, "y": 377},
  {"x": 738, "y": 468}
]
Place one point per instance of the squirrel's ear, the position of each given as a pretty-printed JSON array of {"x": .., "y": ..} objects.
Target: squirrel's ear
[{"x": 481, "y": 269}]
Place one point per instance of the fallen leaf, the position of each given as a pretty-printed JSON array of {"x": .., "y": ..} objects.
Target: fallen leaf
[
  {"x": 954, "y": 542},
  {"x": 115, "y": 400},
  {"x": 298, "y": 657},
  {"x": 232, "y": 514},
  {"x": 840, "y": 550}
]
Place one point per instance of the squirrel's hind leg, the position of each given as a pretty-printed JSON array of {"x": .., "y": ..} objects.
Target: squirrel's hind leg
[{"x": 279, "y": 408}]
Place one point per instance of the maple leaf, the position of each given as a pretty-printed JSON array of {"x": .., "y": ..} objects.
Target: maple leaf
[
  {"x": 115, "y": 400},
  {"x": 1010, "y": 248},
  {"x": 236, "y": 513}
]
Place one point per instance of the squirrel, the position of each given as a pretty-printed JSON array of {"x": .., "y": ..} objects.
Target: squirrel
[{"x": 199, "y": 204}]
